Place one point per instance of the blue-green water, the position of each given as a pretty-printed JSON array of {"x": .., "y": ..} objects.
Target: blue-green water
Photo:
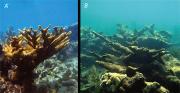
[{"x": 103, "y": 15}]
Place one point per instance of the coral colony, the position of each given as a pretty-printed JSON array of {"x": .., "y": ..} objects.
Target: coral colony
[
  {"x": 23, "y": 53},
  {"x": 137, "y": 61}
]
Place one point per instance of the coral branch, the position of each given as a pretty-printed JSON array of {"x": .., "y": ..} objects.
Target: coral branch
[
  {"x": 24, "y": 52},
  {"x": 112, "y": 67},
  {"x": 117, "y": 46}
]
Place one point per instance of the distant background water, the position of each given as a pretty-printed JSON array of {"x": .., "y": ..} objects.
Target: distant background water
[
  {"x": 31, "y": 13},
  {"x": 103, "y": 15}
]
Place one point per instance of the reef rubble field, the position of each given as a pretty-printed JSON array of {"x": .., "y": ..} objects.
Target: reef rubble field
[{"x": 130, "y": 61}]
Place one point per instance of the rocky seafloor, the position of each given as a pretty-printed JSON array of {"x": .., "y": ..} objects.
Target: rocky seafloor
[
  {"x": 59, "y": 74},
  {"x": 141, "y": 60}
]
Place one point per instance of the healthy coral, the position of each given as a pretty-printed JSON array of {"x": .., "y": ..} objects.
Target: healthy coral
[{"x": 23, "y": 53}]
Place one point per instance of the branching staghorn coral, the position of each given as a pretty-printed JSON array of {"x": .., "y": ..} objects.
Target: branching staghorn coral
[
  {"x": 115, "y": 45},
  {"x": 146, "y": 60},
  {"x": 143, "y": 49},
  {"x": 143, "y": 37},
  {"x": 23, "y": 53}
]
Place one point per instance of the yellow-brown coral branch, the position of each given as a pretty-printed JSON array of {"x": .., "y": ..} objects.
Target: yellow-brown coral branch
[{"x": 24, "y": 52}]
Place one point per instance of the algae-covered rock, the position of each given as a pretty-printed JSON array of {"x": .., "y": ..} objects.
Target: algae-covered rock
[
  {"x": 121, "y": 83},
  {"x": 133, "y": 84},
  {"x": 110, "y": 82},
  {"x": 176, "y": 70},
  {"x": 140, "y": 54},
  {"x": 154, "y": 87},
  {"x": 173, "y": 64}
]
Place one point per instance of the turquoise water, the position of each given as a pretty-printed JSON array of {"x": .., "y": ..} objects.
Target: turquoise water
[{"x": 103, "y": 15}]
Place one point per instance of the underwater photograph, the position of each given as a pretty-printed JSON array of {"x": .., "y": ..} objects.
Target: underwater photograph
[
  {"x": 130, "y": 46},
  {"x": 39, "y": 46}
]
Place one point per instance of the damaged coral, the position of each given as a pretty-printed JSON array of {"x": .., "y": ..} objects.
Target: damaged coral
[{"x": 130, "y": 61}]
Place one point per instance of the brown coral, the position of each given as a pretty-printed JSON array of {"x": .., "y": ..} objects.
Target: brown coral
[
  {"x": 145, "y": 59},
  {"x": 22, "y": 54}
]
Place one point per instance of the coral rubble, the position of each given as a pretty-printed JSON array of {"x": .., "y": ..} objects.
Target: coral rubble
[
  {"x": 137, "y": 61},
  {"x": 61, "y": 77},
  {"x": 116, "y": 82},
  {"x": 23, "y": 53}
]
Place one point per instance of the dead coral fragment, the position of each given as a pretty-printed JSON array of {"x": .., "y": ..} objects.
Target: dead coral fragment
[
  {"x": 112, "y": 67},
  {"x": 154, "y": 87},
  {"x": 109, "y": 82},
  {"x": 116, "y": 46},
  {"x": 121, "y": 83},
  {"x": 23, "y": 53}
]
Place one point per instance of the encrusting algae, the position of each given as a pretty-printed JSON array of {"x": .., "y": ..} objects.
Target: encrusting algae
[
  {"x": 23, "y": 53},
  {"x": 142, "y": 55}
]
